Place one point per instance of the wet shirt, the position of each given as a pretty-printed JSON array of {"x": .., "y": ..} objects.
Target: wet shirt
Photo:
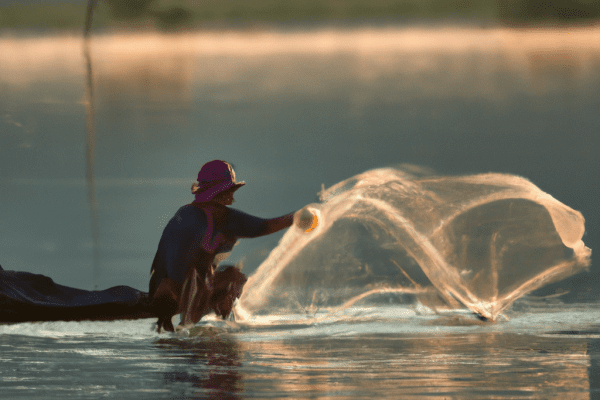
[{"x": 192, "y": 230}]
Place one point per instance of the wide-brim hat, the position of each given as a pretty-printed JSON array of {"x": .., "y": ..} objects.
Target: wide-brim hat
[{"x": 215, "y": 177}]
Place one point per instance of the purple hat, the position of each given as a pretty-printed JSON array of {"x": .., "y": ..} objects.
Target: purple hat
[{"x": 214, "y": 177}]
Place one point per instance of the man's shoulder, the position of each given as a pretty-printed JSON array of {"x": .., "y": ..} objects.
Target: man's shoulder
[{"x": 189, "y": 212}]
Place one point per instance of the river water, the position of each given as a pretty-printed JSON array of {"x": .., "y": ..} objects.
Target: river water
[
  {"x": 549, "y": 352},
  {"x": 89, "y": 179}
]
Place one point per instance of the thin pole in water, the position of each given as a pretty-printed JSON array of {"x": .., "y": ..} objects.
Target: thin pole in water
[{"x": 91, "y": 142}]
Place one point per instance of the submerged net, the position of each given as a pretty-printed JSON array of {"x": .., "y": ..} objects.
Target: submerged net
[{"x": 477, "y": 241}]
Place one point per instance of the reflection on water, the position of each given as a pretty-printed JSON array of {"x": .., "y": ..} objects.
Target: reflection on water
[
  {"x": 213, "y": 367},
  {"x": 492, "y": 365},
  {"x": 593, "y": 351},
  {"x": 175, "y": 63},
  {"x": 551, "y": 354}
]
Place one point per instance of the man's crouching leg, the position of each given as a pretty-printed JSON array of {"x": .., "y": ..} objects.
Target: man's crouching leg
[
  {"x": 195, "y": 295},
  {"x": 228, "y": 284},
  {"x": 165, "y": 304}
]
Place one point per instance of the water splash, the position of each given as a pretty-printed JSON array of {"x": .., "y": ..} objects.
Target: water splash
[{"x": 478, "y": 241}]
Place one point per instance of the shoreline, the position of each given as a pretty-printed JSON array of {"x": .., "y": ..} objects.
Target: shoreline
[
  {"x": 163, "y": 16},
  {"x": 341, "y": 27}
]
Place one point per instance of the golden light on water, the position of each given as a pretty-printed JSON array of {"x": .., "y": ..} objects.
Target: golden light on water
[
  {"x": 135, "y": 74},
  {"x": 222, "y": 56},
  {"x": 430, "y": 364}
]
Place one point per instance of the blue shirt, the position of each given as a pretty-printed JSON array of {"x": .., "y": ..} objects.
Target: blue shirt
[{"x": 193, "y": 232}]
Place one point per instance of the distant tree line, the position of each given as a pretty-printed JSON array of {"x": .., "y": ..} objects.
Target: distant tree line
[
  {"x": 544, "y": 10},
  {"x": 182, "y": 14},
  {"x": 512, "y": 11}
]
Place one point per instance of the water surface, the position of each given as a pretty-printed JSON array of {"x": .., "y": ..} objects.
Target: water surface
[
  {"x": 387, "y": 352},
  {"x": 294, "y": 111},
  {"x": 291, "y": 109}
]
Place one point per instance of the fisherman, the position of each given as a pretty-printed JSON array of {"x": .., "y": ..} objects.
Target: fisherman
[{"x": 184, "y": 276}]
